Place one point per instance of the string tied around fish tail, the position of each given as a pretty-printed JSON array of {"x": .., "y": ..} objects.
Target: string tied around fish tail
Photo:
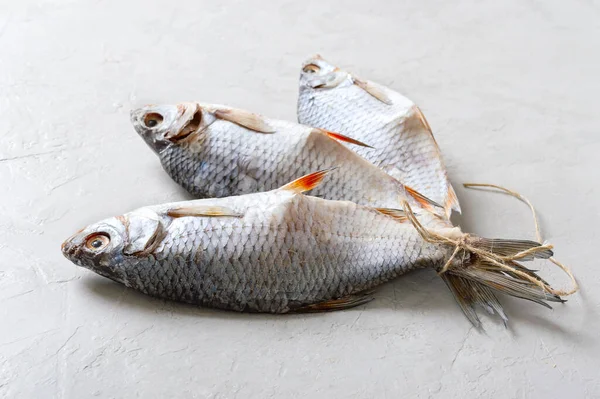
[
  {"x": 502, "y": 261},
  {"x": 538, "y": 233}
]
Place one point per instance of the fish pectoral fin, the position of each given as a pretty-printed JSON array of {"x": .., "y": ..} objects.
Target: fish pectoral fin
[
  {"x": 397, "y": 214},
  {"x": 373, "y": 90},
  {"x": 342, "y": 138},
  {"x": 243, "y": 118},
  {"x": 346, "y": 302},
  {"x": 307, "y": 182},
  {"x": 202, "y": 210}
]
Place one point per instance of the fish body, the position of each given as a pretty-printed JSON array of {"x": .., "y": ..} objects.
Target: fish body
[
  {"x": 216, "y": 151},
  {"x": 402, "y": 141},
  {"x": 282, "y": 251},
  {"x": 275, "y": 252}
]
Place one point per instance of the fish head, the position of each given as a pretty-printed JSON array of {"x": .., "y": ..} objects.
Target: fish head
[
  {"x": 115, "y": 247},
  {"x": 162, "y": 126},
  {"x": 318, "y": 74}
]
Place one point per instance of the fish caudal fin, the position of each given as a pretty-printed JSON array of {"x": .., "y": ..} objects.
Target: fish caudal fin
[
  {"x": 492, "y": 267},
  {"x": 480, "y": 267},
  {"x": 469, "y": 293},
  {"x": 475, "y": 282}
]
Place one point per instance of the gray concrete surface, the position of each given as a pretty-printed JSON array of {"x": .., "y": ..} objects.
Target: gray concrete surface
[{"x": 510, "y": 89}]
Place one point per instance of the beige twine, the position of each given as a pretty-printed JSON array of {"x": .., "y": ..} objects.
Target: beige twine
[{"x": 500, "y": 261}]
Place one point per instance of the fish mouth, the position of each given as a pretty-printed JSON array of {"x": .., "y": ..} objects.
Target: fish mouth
[
  {"x": 69, "y": 249},
  {"x": 72, "y": 252}
]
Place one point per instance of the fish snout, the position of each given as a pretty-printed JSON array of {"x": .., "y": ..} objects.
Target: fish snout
[
  {"x": 68, "y": 248},
  {"x": 153, "y": 124},
  {"x": 136, "y": 116}
]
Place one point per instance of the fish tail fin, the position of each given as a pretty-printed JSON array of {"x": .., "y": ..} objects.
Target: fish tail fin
[
  {"x": 469, "y": 293},
  {"x": 480, "y": 267},
  {"x": 488, "y": 267}
]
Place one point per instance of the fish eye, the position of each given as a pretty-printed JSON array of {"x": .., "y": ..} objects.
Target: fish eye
[
  {"x": 97, "y": 242},
  {"x": 311, "y": 68},
  {"x": 153, "y": 119}
]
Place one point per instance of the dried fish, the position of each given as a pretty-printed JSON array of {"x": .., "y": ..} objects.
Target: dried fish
[
  {"x": 282, "y": 251},
  {"x": 217, "y": 151},
  {"x": 402, "y": 141}
]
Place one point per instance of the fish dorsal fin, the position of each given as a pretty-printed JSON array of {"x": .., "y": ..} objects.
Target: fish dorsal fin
[
  {"x": 243, "y": 118},
  {"x": 396, "y": 214},
  {"x": 307, "y": 182},
  {"x": 202, "y": 210},
  {"x": 372, "y": 90},
  {"x": 342, "y": 138}
]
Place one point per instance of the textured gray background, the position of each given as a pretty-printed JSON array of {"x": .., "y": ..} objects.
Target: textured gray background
[{"x": 510, "y": 89}]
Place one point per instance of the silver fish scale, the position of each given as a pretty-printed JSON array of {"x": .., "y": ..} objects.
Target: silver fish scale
[
  {"x": 287, "y": 251},
  {"x": 351, "y": 111},
  {"x": 226, "y": 159}
]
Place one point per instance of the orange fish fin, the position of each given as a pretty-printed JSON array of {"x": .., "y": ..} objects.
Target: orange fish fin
[
  {"x": 422, "y": 200},
  {"x": 307, "y": 182},
  {"x": 345, "y": 139},
  {"x": 243, "y": 118},
  {"x": 372, "y": 90},
  {"x": 397, "y": 214},
  {"x": 342, "y": 303},
  {"x": 202, "y": 210}
]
